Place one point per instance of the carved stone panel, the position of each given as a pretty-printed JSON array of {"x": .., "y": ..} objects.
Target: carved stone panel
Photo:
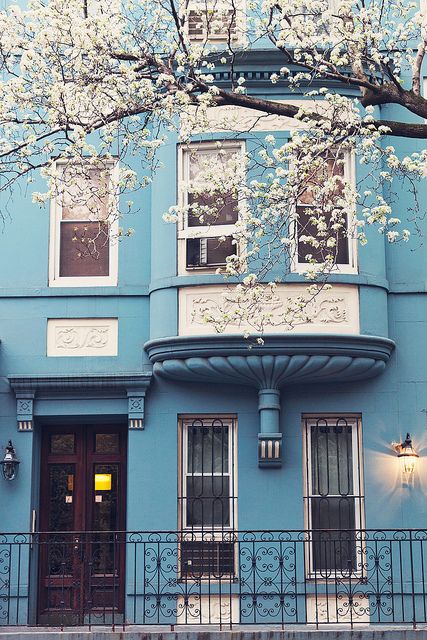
[
  {"x": 231, "y": 118},
  {"x": 82, "y": 337},
  {"x": 332, "y": 311}
]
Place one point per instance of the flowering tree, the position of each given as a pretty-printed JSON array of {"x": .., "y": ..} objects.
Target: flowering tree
[{"x": 88, "y": 80}]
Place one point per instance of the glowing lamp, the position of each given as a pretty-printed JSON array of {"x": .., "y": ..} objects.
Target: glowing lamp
[
  {"x": 102, "y": 481},
  {"x": 408, "y": 457}
]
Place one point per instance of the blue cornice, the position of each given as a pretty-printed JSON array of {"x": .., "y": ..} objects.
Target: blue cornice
[
  {"x": 281, "y": 361},
  {"x": 257, "y": 66},
  {"x": 197, "y": 279},
  {"x": 88, "y": 387},
  {"x": 104, "y": 382}
]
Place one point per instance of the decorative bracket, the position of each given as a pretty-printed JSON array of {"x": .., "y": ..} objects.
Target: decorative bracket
[
  {"x": 270, "y": 450},
  {"x": 136, "y": 402},
  {"x": 24, "y": 410}
]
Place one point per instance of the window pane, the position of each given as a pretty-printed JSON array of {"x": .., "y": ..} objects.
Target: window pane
[
  {"x": 212, "y": 23},
  {"x": 62, "y": 443},
  {"x": 61, "y": 488},
  {"x": 85, "y": 194},
  {"x": 84, "y": 249},
  {"x": 104, "y": 518},
  {"x": 202, "y": 252},
  {"x": 333, "y": 550},
  {"x": 307, "y": 228},
  {"x": 208, "y": 501},
  {"x": 223, "y": 209},
  {"x": 106, "y": 443},
  {"x": 207, "y": 449},
  {"x": 331, "y": 459},
  {"x": 222, "y": 204},
  {"x": 331, "y": 167}
]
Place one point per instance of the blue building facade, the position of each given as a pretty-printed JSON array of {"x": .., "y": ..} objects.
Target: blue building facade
[{"x": 171, "y": 475}]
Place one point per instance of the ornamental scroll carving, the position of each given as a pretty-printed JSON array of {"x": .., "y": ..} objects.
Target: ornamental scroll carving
[
  {"x": 329, "y": 310},
  {"x": 81, "y": 337},
  {"x": 335, "y": 311}
]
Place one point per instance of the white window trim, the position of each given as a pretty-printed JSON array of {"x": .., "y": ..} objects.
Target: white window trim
[
  {"x": 355, "y": 421},
  {"x": 184, "y": 423},
  {"x": 208, "y": 533},
  {"x": 207, "y": 231},
  {"x": 55, "y": 280},
  {"x": 351, "y": 267}
]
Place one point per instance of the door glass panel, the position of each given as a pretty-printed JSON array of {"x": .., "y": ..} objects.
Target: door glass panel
[
  {"x": 105, "y": 518},
  {"x": 61, "y": 518},
  {"x": 62, "y": 443},
  {"x": 106, "y": 443}
]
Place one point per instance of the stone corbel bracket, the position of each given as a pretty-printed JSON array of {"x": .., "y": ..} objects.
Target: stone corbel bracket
[
  {"x": 131, "y": 387},
  {"x": 283, "y": 360},
  {"x": 136, "y": 402},
  {"x": 24, "y": 410}
]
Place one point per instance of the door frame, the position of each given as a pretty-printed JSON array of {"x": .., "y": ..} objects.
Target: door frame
[{"x": 84, "y": 458}]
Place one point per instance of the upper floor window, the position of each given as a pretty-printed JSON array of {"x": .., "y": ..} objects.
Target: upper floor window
[
  {"x": 215, "y": 22},
  {"x": 83, "y": 225},
  {"x": 205, "y": 232},
  {"x": 207, "y": 498},
  {"x": 334, "y": 236},
  {"x": 334, "y": 494}
]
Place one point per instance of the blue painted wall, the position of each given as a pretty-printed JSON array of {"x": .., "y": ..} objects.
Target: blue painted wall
[{"x": 393, "y": 302}]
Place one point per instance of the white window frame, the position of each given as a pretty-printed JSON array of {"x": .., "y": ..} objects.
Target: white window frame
[
  {"x": 55, "y": 280},
  {"x": 185, "y": 232},
  {"x": 207, "y": 533},
  {"x": 230, "y": 421},
  {"x": 355, "y": 420},
  {"x": 239, "y": 39},
  {"x": 351, "y": 266}
]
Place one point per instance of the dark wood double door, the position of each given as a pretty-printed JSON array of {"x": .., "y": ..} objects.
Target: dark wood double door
[{"x": 82, "y": 512}]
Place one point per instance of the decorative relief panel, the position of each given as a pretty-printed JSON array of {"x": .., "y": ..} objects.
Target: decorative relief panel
[
  {"x": 343, "y": 607},
  {"x": 82, "y": 336},
  {"x": 233, "y": 118},
  {"x": 333, "y": 311}
]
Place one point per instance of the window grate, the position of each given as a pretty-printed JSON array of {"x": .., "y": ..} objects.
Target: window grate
[
  {"x": 334, "y": 497},
  {"x": 207, "y": 497}
]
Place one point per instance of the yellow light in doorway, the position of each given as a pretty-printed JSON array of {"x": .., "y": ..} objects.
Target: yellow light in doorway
[{"x": 102, "y": 481}]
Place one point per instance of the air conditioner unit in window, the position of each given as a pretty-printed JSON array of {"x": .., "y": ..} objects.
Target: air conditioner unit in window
[
  {"x": 209, "y": 252},
  {"x": 207, "y": 558},
  {"x": 215, "y": 25}
]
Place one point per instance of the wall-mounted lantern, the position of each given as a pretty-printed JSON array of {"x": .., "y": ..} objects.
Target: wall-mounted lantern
[
  {"x": 10, "y": 462},
  {"x": 408, "y": 457}
]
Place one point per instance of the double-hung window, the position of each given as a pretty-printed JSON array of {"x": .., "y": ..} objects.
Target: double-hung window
[
  {"x": 215, "y": 22},
  {"x": 334, "y": 494},
  {"x": 207, "y": 498},
  {"x": 324, "y": 219},
  {"x": 83, "y": 225},
  {"x": 205, "y": 233}
]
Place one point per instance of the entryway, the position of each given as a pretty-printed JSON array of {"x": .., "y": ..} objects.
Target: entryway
[{"x": 82, "y": 511}]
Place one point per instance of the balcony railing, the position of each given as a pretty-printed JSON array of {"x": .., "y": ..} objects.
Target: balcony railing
[{"x": 220, "y": 578}]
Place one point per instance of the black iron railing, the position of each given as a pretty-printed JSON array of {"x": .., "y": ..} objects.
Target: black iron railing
[{"x": 221, "y": 578}]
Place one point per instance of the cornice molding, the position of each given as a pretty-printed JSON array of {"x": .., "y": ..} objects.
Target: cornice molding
[
  {"x": 91, "y": 382},
  {"x": 257, "y": 65},
  {"x": 132, "y": 386}
]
